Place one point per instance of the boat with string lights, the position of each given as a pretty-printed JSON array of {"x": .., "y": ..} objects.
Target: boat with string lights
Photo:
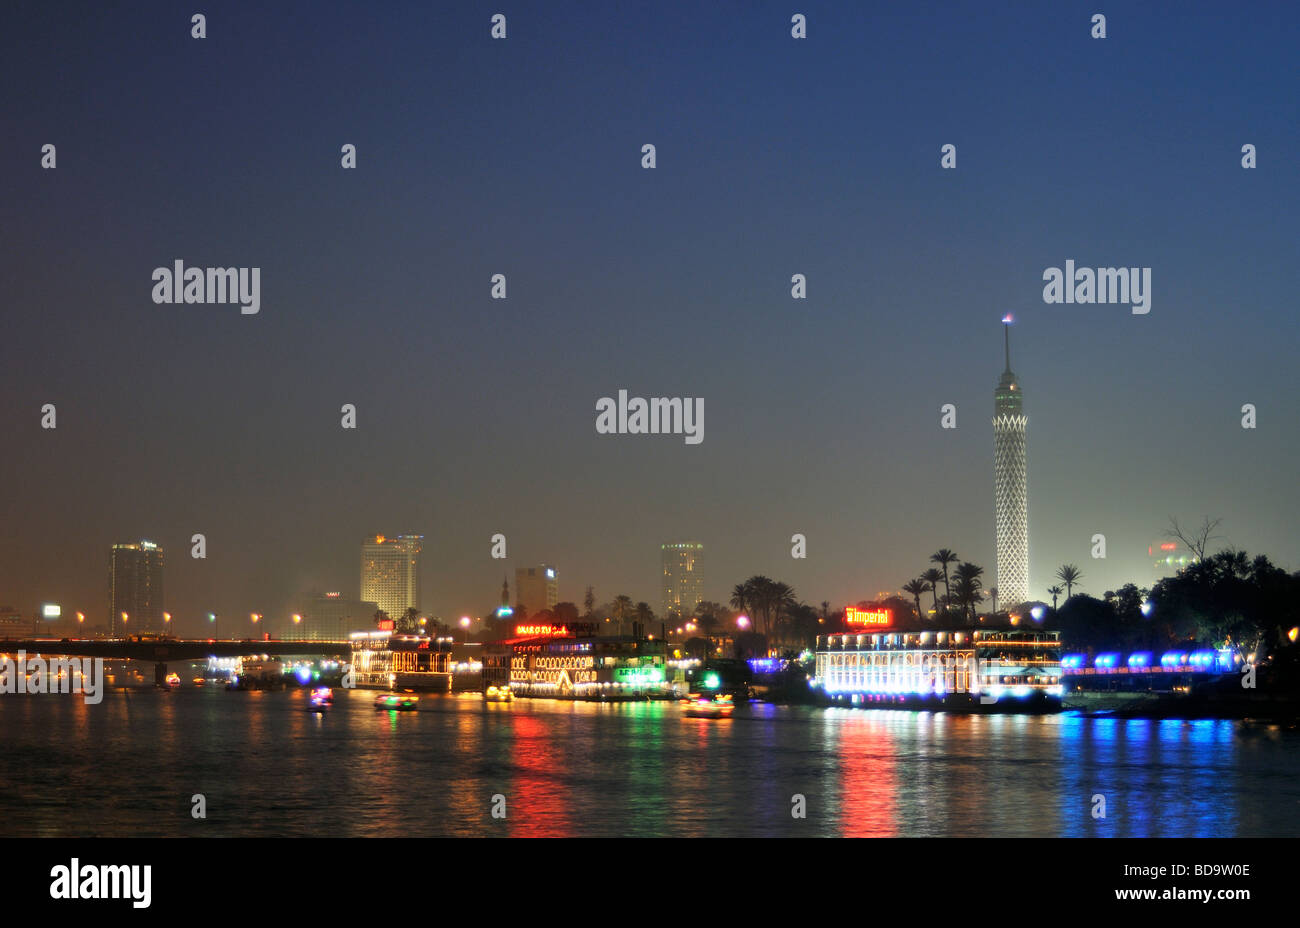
[
  {"x": 1011, "y": 668},
  {"x": 555, "y": 661}
]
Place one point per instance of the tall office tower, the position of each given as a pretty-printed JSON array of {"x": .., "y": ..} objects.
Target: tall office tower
[
  {"x": 1010, "y": 479},
  {"x": 536, "y": 587},
  {"x": 390, "y": 572},
  {"x": 135, "y": 587},
  {"x": 328, "y": 617},
  {"x": 682, "y": 577}
]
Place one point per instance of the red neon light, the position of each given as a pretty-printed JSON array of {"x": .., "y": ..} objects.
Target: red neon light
[
  {"x": 879, "y": 617},
  {"x": 387, "y": 625},
  {"x": 542, "y": 631},
  {"x": 1169, "y": 546}
]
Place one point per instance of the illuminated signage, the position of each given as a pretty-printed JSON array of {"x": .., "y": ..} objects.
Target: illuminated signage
[
  {"x": 868, "y": 617},
  {"x": 638, "y": 675},
  {"x": 51, "y": 611},
  {"x": 387, "y": 625},
  {"x": 542, "y": 631},
  {"x": 331, "y": 595}
]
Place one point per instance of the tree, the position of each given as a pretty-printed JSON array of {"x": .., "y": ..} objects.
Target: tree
[
  {"x": 932, "y": 577},
  {"x": 380, "y": 617},
  {"x": 1069, "y": 575},
  {"x": 622, "y": 610},
  {"x": 915, "y": 588},
  {"x": 1054, "y": 591},
  {"x": 943, "y": 557},
  {"x": 644, "y": 615},
  {"x": 968, "y": 584},
  {"x": 1198, "y": 540},
  {"x": 409, "y": 621},
  {"x": 588, "y": 603},
  {"x": 740, "y": 596}
]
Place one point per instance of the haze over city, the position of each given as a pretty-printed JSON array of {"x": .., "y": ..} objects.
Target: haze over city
[{"x": 477, "y": 416}]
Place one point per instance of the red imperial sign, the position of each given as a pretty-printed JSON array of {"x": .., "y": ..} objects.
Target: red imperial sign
[
  {"x": 387, "y": 625},
  {"x": 854, "y": 616},
  {"x": 542, "y": 631}
]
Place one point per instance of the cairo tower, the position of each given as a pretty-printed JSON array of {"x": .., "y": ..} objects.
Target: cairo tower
[{"x": 1009, "y": 481}]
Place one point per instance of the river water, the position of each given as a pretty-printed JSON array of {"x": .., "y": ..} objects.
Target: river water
[{"x": 265, "y": 766}]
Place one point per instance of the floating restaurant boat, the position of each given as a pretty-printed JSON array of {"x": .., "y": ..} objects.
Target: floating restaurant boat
[
  {"x": 572, "y": 662},
  {"x": 1174, "y": 672},
  {"x": 1011, "y": 669},
  {"x": 400, "y": 702},
  {"x": 390, "y": 661}
]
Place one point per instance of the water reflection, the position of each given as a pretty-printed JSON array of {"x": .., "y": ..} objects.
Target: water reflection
[{"x": 267, "y": 766}]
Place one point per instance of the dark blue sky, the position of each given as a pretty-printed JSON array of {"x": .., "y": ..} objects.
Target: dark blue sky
[{"x": 522, "y": 157}]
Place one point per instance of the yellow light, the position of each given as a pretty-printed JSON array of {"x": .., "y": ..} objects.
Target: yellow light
[
  {"x": 1293, "y": 633},
  {"x": 296, "y": 618}
]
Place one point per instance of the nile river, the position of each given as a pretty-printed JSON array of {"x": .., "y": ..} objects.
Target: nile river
[{"x": 265, "y": 766}]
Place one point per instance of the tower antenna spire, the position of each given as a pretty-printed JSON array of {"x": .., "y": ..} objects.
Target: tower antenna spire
[{"x": 1006, "y": 333}]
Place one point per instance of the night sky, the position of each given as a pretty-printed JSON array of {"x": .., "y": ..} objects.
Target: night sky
[{"x": 522, "y": 157}]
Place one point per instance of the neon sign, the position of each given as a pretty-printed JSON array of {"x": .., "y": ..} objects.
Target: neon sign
[
  {"x": 542, "y": 631},
  {"x": 877, "y": 617}
]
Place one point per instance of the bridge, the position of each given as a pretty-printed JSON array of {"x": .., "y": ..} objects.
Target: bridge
[{"x": 162, "y": 650}]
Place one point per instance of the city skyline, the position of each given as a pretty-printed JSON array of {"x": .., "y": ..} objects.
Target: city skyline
[{"x": 824, "y": 413}]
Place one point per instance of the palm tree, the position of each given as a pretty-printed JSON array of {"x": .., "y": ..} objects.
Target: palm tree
[
  {"x": 932, "y": 577},
  {"x": 740, "y": 594},
  {"x": 780, "y": 599},
  {"x": 1069, "y": 575},
  {"x": 1054, "y": 591},
  {"x": 993, "y": 591},
  {"x": 943, "y": 557},
  {"x": 915, "y": 588},
  {"x": 968, "y": 586},
  {"x": 644, "y": 615}
]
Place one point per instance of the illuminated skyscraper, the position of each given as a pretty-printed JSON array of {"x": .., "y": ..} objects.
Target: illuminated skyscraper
[
  {"x": 537, "y": 588},
  {"x": 135, "y": 587},
  {"x": 682, "y": 577},
  {"x": 1010, "y": 478},
  {"x": 390, "y": 572}
]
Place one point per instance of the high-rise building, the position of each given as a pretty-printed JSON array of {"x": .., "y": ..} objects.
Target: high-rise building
[
  {"x": 682, "y": 577},
  {"x": 329, "y": 617},
  {"x": 390, "y": 572},
  {"x": 536, "y": 587},
  {"x": 135, "y": 588},
  {"x": 1010, "y": 484}
]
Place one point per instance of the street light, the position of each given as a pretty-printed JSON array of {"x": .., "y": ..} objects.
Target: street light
[
  {"x": 742, "y": 621},
  {"x": 212, "y": 617},
  {"x": 167, "y": 618},
  {"x": 255, "y": 616},
  {"x": 464, "y": 623}
]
